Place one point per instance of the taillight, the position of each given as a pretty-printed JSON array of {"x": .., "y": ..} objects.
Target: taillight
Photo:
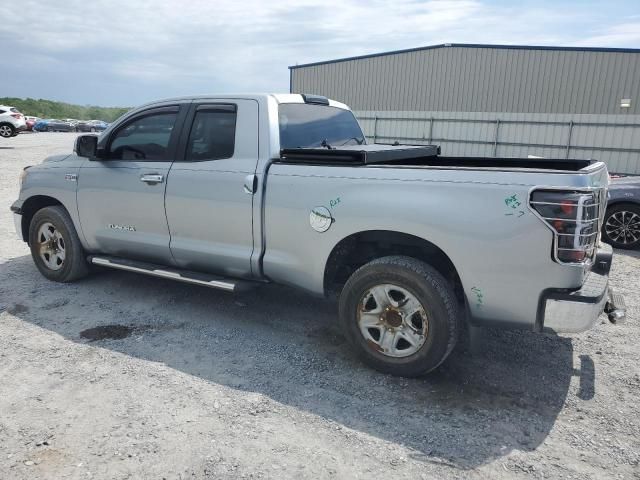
[
  {"x": 574, "y": 217},
  {"x": 16, "y": 115}
]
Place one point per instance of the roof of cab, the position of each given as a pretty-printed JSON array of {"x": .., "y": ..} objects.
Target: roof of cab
[{"x": 278, "y": 97}]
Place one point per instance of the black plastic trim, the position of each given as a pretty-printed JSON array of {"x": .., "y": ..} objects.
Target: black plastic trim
[
  {"x": 15, "y": 208},
  {"x": 364, "y": 156},
  {"x": 315, "y": 99}
]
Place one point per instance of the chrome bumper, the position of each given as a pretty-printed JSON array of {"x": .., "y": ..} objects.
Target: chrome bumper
[{"x": 579, "y": 310}]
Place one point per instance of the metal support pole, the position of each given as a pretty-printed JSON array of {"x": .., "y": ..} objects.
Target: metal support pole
[
  {"x": 495, "y": 139},
  {"x": 375, "y": 128},
  {"x": 430, "y": 129},
  {"x": 569, "y": 139}
]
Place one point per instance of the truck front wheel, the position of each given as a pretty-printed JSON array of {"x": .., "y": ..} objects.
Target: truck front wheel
[
  {"x": 400, "y": 314},
  {"x": 55, "y": 247}
]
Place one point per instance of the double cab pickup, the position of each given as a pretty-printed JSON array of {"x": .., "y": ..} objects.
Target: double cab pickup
[{"x": 233, "y": 191}]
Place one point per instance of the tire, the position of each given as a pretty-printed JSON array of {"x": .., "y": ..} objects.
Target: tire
[
  {"x": 621, "y": 226},
  {"x": 378, "y": 301},
  {"x": 62, "y": 259},
  {"x": 7, "y": 130}
]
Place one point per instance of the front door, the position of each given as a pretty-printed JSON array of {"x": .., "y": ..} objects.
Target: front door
[
  {"x": 121, "y": 194},
  {"x": 209, "y": 196}
]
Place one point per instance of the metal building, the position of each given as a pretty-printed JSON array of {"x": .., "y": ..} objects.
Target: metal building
[{"x": 493, "y": 100}]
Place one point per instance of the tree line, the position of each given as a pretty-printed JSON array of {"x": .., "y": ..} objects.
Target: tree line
[{"x": 50, "y": 109}]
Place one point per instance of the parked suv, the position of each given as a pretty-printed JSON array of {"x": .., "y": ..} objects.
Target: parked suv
[{"x": 12, "y": 121}]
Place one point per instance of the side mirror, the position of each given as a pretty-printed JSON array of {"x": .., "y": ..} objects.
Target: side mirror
[{"x": 86, "y": 146}]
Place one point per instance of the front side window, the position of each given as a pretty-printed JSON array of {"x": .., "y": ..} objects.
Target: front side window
[
  {"x": 145, "y": 138},
  {"x": 213, "y": 134},
  {"x": 305, "y": 125}
]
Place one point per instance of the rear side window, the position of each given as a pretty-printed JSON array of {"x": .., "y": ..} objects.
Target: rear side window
[
  {"x": 145, "y": 138},
  {"x": 3, "y": 111},
  {"x": 15, "y": 110},
  {"x": 307, "y": 125},
  {"x": 213, "y": 134}
]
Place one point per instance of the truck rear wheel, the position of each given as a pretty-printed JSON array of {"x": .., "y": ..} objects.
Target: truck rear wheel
[
  {"x": 400, "y": 314},
  {"x": 55, "y": 247}
]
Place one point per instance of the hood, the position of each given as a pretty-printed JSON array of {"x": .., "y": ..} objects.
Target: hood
[{"x": 56, "y": 158}]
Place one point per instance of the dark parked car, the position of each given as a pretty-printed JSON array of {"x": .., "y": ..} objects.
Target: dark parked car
[
  {"x": 621, "y": 227},
  {"x": 54, "y": 125},
  {"x": 92, "y": 126}
]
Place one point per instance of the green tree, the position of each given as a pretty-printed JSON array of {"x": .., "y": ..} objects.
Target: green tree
[{"x": 49, "y": 109}]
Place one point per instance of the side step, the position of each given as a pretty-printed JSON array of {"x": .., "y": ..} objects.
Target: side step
[{"x": 187, "y": 276}]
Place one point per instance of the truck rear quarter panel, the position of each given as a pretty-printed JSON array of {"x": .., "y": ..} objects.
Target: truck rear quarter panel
[{"x": 479, "y": 218}]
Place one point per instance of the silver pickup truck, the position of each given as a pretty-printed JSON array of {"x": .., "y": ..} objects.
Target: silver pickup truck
[{"x": 232, "y": 191}]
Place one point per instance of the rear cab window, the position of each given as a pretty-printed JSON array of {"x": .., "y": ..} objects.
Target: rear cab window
[
  {"x": 213, "y": 133},
  {"x": 305, "y": 125}
]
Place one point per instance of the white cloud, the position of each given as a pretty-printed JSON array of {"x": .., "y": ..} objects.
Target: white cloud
[
  {"x": 615, "y": 36},
  {"x": 231, "y": 45}
]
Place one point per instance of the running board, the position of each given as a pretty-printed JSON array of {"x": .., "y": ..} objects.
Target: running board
[{"x": 204, "y": 279}]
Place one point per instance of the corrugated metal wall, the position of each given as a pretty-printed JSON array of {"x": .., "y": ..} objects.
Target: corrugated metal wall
[
  {"x": 537, "y": 99},
  {"x": 480, "y": 79},
  {"x": 614, "y": 139}
]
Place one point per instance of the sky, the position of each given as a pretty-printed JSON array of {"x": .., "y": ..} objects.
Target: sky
[{"x": 127, "y": 52}]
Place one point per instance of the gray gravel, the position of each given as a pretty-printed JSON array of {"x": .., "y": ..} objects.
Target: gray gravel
[{"x": 262, "y": 385}]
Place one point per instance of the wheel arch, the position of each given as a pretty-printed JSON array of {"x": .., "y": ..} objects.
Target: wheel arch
[
  {"x": 623, "y": 201},
  {"x": 359, "y": 248},
  {"x": 29, "y": 208}
]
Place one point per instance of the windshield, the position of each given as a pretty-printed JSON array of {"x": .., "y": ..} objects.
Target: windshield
[{"x": 305, "y": 125}]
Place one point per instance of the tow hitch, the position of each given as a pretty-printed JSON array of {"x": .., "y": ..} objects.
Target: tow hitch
[{"x": 615, "y": 307}]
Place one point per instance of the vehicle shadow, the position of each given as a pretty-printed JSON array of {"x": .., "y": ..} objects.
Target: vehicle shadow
[{"x": 286, "y": 345}]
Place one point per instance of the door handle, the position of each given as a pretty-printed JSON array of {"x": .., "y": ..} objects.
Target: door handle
[
  {"x": 250, "y": 184},
  {"x": 152, "y": 178}
]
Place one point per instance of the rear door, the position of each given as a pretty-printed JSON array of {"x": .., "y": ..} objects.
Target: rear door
[
  {"x": 121, "y": 195},
  {"x": 209, "y": 197}
]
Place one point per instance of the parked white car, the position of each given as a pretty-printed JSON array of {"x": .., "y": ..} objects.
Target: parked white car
[{"x": 11, "y": 121}]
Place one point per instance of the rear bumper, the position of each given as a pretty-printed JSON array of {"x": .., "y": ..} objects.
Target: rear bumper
[{"x": 575, "y": 311}]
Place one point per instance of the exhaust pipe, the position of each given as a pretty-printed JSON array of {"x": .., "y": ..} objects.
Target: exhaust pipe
[{"x": 615, "y": 308}]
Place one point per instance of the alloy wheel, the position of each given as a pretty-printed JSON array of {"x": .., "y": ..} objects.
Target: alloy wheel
[
  {"x": 392, "y": 320},
  {"x": 623, "y": 227},
  {"x": 51, "y": 246}
]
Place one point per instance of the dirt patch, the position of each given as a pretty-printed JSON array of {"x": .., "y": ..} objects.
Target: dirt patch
[
  {"x": 107, "y": 332},
  {"x": 17, "y": 309}
]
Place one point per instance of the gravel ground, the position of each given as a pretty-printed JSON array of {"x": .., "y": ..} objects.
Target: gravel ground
[{"x": 203, "y": 384}]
